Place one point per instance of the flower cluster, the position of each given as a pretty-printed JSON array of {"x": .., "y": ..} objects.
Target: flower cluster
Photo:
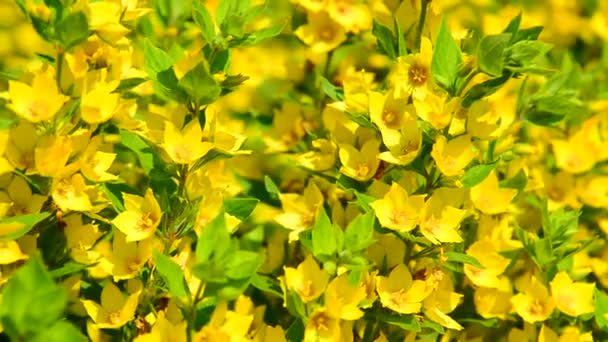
[{"x": 304, "y": 170}]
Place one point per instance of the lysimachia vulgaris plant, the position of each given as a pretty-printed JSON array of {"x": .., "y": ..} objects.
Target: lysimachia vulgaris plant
[{"x": 304, "y": 170}]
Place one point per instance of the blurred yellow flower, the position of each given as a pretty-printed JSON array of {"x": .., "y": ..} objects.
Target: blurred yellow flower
[
  {"x": 454, "y": 155},
  {"x": 307, "y": 280},
  {"x": 399, "y": 292},
  {"x": 38, "y": 102},
  {"x": 572, "y": 298},
  {"x": 140, "y": 218},
  {"x": 397, "y": 210},
  {"x": 115, "y": 309},
  {"x": 489, "y": 198}
]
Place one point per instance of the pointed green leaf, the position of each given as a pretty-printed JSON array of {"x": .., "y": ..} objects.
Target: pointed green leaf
[
  {"x": 17, "y": 226},
  {"x": 359, "y": 233},
  {"x": 172, "y": 274},
  {"x": 446, "y": 59},
  {"x": 490, "y": 53},
  {"x": 477, "y": 174}
]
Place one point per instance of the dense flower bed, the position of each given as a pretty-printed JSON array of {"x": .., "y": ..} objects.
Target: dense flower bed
[{"x": 317, "y": 170}]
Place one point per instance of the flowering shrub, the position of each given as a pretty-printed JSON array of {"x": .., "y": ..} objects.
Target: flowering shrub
[{"x": 313, "y": 170}]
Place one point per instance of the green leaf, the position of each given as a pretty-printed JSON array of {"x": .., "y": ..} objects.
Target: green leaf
[
  {"x": 17, "y": 226},
  {"x": 243, "y": 264},
  {"x": 240, "y": 208},
  {"x": 490, "y": 53},
  {"x": 446, "y": 59},
  {"x": 214, "y": 240},
  {"x": 323, "y": 236},
  {"x": 203, "y": 19},
  {"x": 68, "y": 268},
  {"x": 155, "y": 59},
  {"x": 359, "y": 233},
  {"x": 259, "y": 36},
  {"x": 31, "y": 301},
  {"x": 172, "y": 274},
  {"x": 513, "y": 26},
  {"x": 525, "y": 51},
  {"x": 401, "y": 48},
  {"x": 294, "y": 305},
  {"x": 547, "y": 110},
  {"x": 543, "y": 251},
  {"x": 270, "y": 185},
  {"x": 129, "y": 83},
  {"x": 477, "y": 174},
  {"x": 484, "y": 89},
  {"x": 267, "y": 284},
  {"x": 331, "y": 90},
  {"x": 463, "y": 259},
  {"x": 384, "y": 36},
  {"x": 61, "y": 331},
  {"x": 141, "y": 149},
  {"x": 200, "y": 85},
  {"x": 295, "y": 332},
  {"x": 72, "y": 30},
  {"x": 601, "y": 308},
  {"x": 518, "y": 181},
  {"x": 563, "y": 224}
]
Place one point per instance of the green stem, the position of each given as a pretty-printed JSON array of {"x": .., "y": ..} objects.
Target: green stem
[
  {"x": 424, "y": 4},
  {"x": 193, "y": 302},
  {"x": 59, "y": 67}
]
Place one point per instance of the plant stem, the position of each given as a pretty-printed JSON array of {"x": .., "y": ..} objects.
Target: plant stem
[{"x": 424, "y": 4}]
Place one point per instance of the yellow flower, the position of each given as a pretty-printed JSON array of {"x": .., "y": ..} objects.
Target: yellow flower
[
  {"x": 436, "y": 109},
  {"x": 572, "y": 298},
  {"x": 300, "y": 211},
  {"x": 38, "y": 102},
  {"x": 569, "y": 334},
  {"x": 322, "y": 327},
  {"x": 10, "y": 252},
  {"x": 442, "y": 300},
  {"x": 185, "y": 147},
  {"x": 71, "y": 193},
  {"x": 52, "y": 154},
  {"x": 80, "y": 238},
  {"x": 321, "y": 32},
  {"x": 99, "y": 103},
  {"x": 20, "y": 146},
  {"x": 307, "y": 280},
  {"x": 493, "y": 264},
  {"x": 439, "y": 222},
  {"x": 412, "y": 74},
  {"x": 287, "y": 128},
  {"x": 94, "y": 163},
  {"x": 320, "y": 159},
  {"x": 576, "y": 154},
  {"x": 165, "y": 330},
  {"x": 128, "y": 258},
  {"x": 534, "y": 304},
  {"x": 19, "y": 199},
  {"x": 399, "y": 292},
  {"x": 115, "y": 309},
  {"x": 387, "y": 112},
  {"x": 388, "y": 249},
  {"x": 489, "y": 198},
  {"x": 140, "y": 218},
  {"x": 342, "y": 300},
  {"x": 494, "y": 302},
  {"x": 104, "y": 19},
  {"x": 408, "y": 146},
  {"x": 360, "y": 164},
  {"x": 352, "y": 15},
  {"x": 397, "y": 210},
  {"x": 454, "y": 155}
]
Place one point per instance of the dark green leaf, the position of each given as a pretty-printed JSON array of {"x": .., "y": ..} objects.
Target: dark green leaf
[
  {"x": 518, "y": 181},
  {"x": 601, "y": 308},
  {"x": 525, "y": 51},
  {"x": 243, "y": 264},
  {"x": 490, "y": 53},
  {"x": 141, "y": 149},
  {"x": 463, "y": 259},
  {"x": 72, "y": 30},
  {"x": 295, "y": 332},
  {"x": 67, "y": 269},
  {"x": 332, "y": 91},
  {"x": 484, "y": 89},
  {"x": 203, "y": 19},
  {"x": 267, "y": 284},
  {"x": 172, "y": 274},
  {"x": 359, "y": 233},
  {"x": 271, "y": 187},
  {"x": 31, "y": 301},
  {"x": 214, "y": 240},
  {"x": 323, "y": 237},
  {"x": 257, "y": 37},
  {"x": 200, "y": 85},
  {"x": 129, "y": 83},
  {"x": 17, "y": 226},
  {"x": 446, "y": 59},
  {"x": 240, "y": 208},
  {"x": 513, "y": 26},
  {"x": 477, "y": 174},
  {"x": 384, "y": 36}
]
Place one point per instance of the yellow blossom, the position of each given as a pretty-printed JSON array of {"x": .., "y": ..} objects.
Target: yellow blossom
[
  {"x": 397, "y": 210},
  {"x": 99, "y": 103},
  {"x": 408, "y": 144},
  {"x": 300, "y": 211},
  {"x": 10, "y": 252},
  {"x": 115, "y": 309},
  {"x": 127, "y": 258},
  {"x": 342, "y": 300},
  {"x": 321, "y": 32},
  {"x": 493, "y": 264},
  {"x": 534, "y": 304},
  {"x": 436, "y": 109},
  {"x": 51, "y": 155},
  {"x": 307, "y": 280},
  {"x": 187, "y": 146},
  {"x": 572, "y": 298},
  {"x": 412, "y": 74},
  {"x": 399, "y": 292},
  {"x": 454, "y": 155},
  {"x": 489, "y": 198},
  {"x": 80, "y": 238},
  {"x": 494, "y": 302},
  {"x": 19, "y": 198},
  {"x": 38, "y": 102},
  {"x": 360, "y": 164},
  {"x": 354, "y": 16},
  {"x": 141, "y": 216},
  {"x": 439, "y": 221},
  {"x": 71, "y": 193},
  {"x": 322, "y": 327},
  {"x": 165, "y": 331},
  {"x": 320, "y": 159}
]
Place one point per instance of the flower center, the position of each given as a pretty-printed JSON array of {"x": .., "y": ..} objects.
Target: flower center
[{"x": 417, "y": 74}]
